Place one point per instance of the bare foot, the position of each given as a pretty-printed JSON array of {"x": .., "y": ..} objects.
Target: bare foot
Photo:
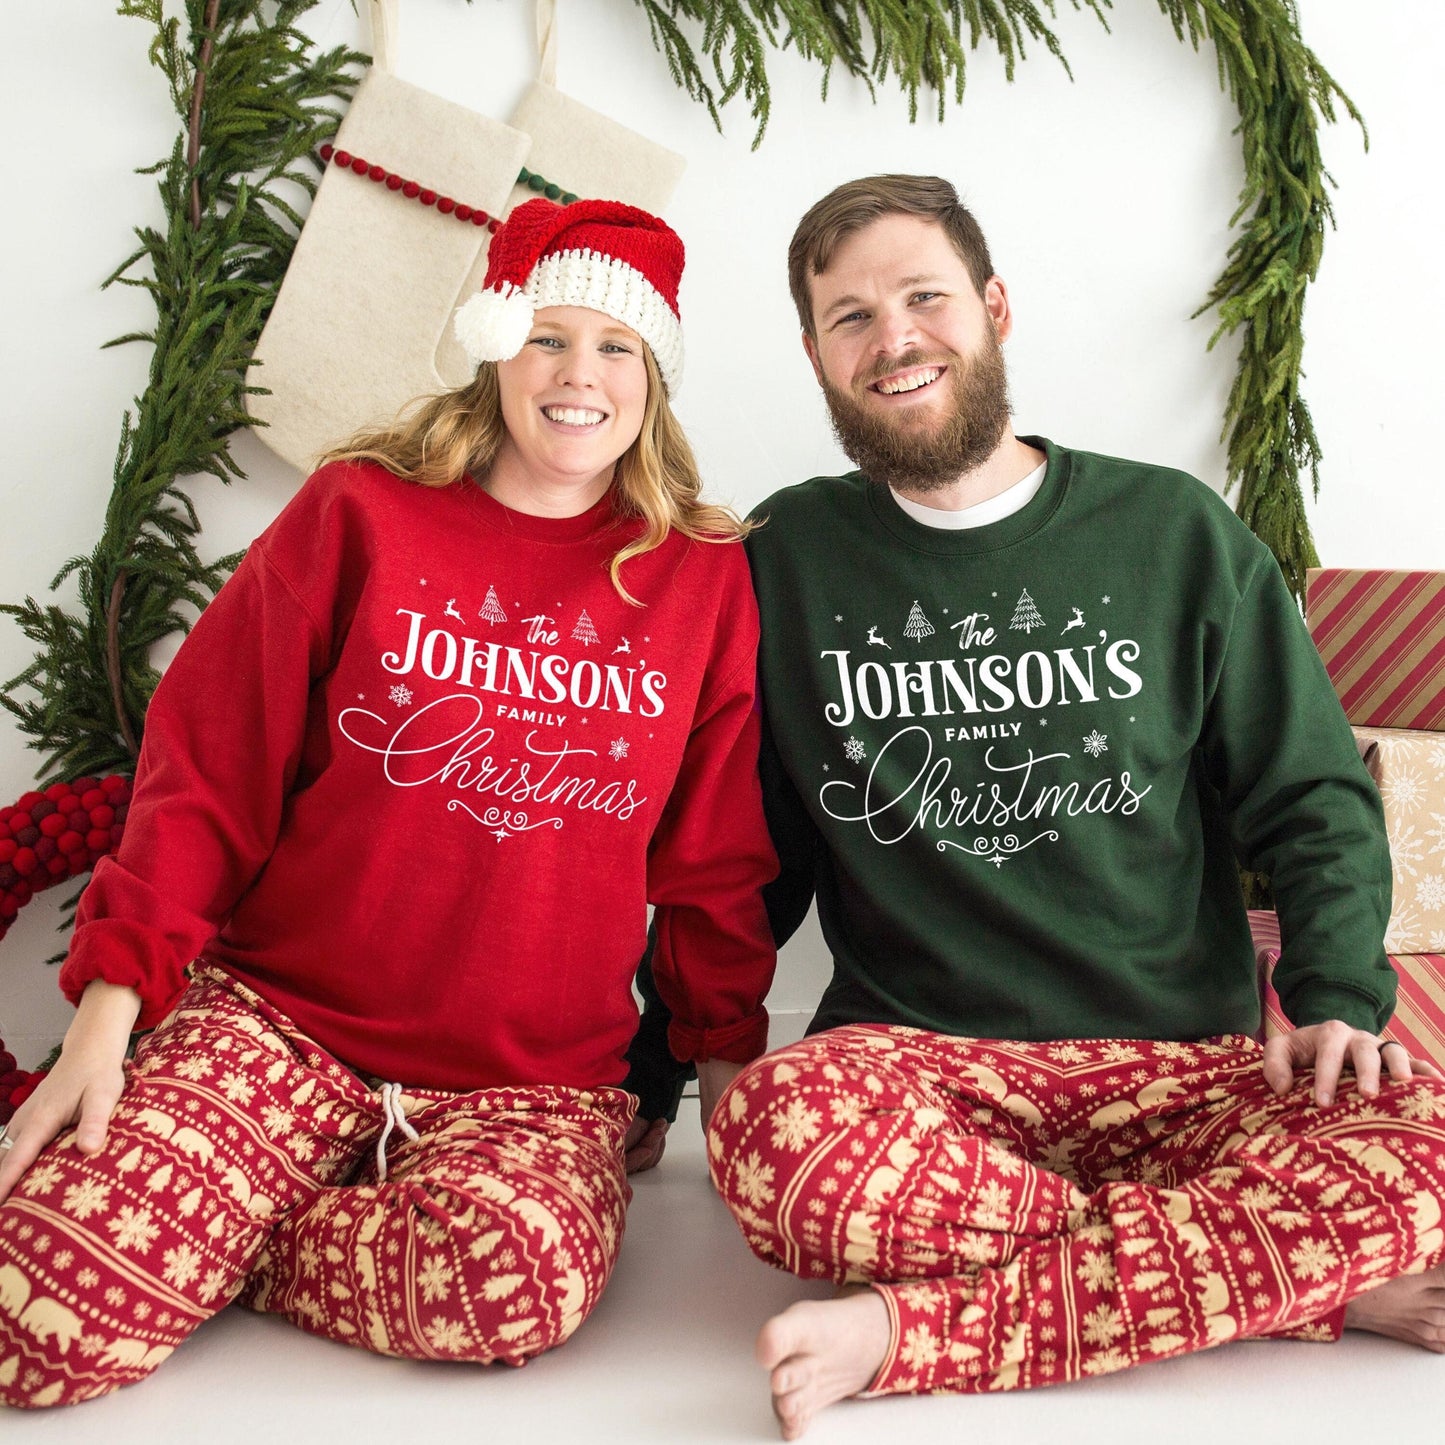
[
  {"x": 1410, "y": 1308},
  {"x": 821, "y": 1351}
]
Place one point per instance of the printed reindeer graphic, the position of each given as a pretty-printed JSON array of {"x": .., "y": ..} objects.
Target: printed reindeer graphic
[
  {"x": 1077, "y": 620},
  {"x": 875, "y": 641}
]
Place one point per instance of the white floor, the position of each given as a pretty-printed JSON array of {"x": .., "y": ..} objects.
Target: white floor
[{"x": 667, "y": 1358}]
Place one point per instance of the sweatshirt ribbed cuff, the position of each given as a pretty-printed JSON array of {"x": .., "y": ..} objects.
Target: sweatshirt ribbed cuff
[
  {"x": 119, "y": 952},
  {"x": 1317, "y": 1003}
]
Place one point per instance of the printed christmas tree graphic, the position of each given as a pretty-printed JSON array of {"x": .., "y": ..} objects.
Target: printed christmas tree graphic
[
  {"x": 585, "y": 632},
  {"x": 492, "y": 608},
  {"x": 1026, "y": 615},
  {"x": 918, "y": 626}
]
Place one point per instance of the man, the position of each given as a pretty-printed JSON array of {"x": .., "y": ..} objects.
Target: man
[{"x": 1027, "y": 709}]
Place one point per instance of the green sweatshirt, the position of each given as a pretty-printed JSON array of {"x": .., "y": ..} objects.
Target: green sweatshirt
[{"x": 1018, "y": 764}]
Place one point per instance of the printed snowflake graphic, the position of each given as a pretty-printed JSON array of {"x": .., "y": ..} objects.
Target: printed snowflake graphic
[
  {"x": 854, "y": 750},
  {"x": 1407, "y": 852},
  {"x": 1405, "y": 788},
  {"x": 796, "y": 1126},
  {"x": 447, "y": 1337},
  {"x": 1312, "y": 1259},
  {"x": 1431, "y": 892},
  {"x": 618, "y": 750},
  {"x": 1405, "y": 919},
  {"x": 400, "y": 695},
  {"x": 1096, "y": 743},
  {"x": 754, "y": 1179}
]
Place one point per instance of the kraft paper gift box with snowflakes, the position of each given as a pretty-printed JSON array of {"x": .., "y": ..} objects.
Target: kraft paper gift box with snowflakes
[{"x": 1409, "y": 768}]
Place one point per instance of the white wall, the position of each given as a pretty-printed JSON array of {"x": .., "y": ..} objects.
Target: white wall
[{"x": 1105, "y": 200}]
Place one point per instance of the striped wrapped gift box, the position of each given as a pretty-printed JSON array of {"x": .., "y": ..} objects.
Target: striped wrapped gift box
[
  {"x": 1419, "y": 1021},
  {"x": 1382, "y": 637}
]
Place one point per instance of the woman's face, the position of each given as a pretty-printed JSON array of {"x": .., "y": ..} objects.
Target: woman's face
[{"x": 572, "y": 400}]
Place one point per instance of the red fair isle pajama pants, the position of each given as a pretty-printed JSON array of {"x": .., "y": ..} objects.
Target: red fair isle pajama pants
[
  {"x": 241, "y": 1163},
  {"x": 1031, "y": 1213}
]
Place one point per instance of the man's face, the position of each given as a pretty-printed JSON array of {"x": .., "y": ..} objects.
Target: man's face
[{"x": 908, "y": 355}]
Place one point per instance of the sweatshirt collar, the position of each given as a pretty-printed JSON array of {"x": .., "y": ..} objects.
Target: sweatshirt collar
[
  {"x": 993, "y": 537},
  {"x": 559, "y": 531}
]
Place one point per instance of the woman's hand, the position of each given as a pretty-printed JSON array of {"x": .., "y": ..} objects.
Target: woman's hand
[{"x": 83, "y": 1087}]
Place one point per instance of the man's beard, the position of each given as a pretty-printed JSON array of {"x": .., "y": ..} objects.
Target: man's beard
[{"x": 907, "y": 452}]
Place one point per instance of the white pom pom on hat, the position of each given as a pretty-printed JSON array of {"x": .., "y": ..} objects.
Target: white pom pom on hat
[
  {"x": 602, "y": 255},
  {"x": 493, "y": 325}
]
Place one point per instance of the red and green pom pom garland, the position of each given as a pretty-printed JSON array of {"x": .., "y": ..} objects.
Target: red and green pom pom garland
[
  {"x": 412, "y": 190},
  {"x": 415, "y": 191}
]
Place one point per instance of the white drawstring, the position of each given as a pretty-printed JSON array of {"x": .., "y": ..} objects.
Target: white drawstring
[{"x": 395, "y": 1117}]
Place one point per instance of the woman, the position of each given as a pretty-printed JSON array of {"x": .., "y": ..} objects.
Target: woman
[{"x": 404, "y": 795}]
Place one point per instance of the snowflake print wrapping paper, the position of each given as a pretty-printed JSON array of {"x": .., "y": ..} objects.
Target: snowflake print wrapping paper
[{"x": 1409, "y": 768}]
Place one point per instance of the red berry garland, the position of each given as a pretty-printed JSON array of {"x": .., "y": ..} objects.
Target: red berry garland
[
  {"x": 46, "y": 838},
  {"x": 16, "y": 1086},
  {"x": 61, "y": 833}
]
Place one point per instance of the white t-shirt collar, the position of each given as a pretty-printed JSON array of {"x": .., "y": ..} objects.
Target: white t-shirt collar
[{"x": 995, "y": 509}]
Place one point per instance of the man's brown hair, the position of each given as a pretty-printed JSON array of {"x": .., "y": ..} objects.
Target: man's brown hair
[{"x": 859, "y": 203}]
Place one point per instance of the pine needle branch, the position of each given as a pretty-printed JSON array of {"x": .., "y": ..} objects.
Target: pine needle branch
[
  {"x": 255, "y": 105},
  {"x": 1284, "y": 95}
]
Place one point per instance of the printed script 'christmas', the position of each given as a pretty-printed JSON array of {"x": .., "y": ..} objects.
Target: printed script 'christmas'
[
  {"x": 493, "y": 731},
  {"x": 974, "y": 761}
]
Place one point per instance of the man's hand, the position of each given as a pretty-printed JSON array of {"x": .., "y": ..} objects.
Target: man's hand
[
  {"x": 713, "y": 1076},
  {"x": 646, "y": 1138},
  {"x": 1329, "y": 1048},
  {"x": 643, "y": 1146}
]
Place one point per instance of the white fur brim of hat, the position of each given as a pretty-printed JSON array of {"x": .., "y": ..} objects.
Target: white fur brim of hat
[{"x": 494, "y": 325}]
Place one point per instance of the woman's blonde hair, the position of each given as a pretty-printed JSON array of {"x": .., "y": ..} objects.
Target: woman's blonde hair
[{"x": 439, "y": 439}]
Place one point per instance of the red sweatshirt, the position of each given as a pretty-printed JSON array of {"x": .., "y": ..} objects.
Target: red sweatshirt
[{"x": 417, "y": 771}]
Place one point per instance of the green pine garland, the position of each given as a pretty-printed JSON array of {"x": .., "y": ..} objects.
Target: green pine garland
[
  {"x": 1283, "y": 94},
  {"x": 254, "y": 104}
]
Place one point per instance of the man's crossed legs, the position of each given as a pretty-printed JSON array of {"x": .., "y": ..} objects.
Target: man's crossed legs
[{"x": 1031, "y": 1213}]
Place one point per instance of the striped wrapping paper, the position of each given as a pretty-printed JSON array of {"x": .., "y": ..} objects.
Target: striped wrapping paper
[
  {"x": 1419, "y": 1021},
  {"x": 1382, "y": 637}
]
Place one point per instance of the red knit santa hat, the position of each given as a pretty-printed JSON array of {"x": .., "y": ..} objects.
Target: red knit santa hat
[{"x": 609, "y": 257}]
